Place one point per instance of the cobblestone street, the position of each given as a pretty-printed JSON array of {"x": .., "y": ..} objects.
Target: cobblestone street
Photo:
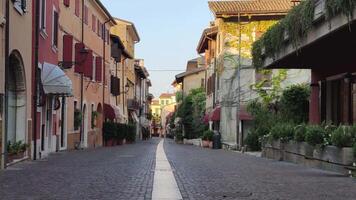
[{"x": 127, "y": 172}]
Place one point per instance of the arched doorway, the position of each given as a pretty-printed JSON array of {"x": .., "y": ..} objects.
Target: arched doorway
[{"x": 16, "y": 99}]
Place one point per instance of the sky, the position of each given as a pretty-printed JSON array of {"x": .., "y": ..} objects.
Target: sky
[{"x": 169, "y": 30}]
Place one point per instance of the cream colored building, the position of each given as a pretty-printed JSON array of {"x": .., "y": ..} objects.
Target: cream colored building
[
  {"x": 16, "y": 75},
  {"x": 194, "y": 76}
]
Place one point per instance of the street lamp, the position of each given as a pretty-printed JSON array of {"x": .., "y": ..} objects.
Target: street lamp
[{"x": 127, "y": 88}]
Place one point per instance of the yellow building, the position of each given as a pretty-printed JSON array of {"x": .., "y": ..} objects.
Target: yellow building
[{"x": 129, "y": 36}]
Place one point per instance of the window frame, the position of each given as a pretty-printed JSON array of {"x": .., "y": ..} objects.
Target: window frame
[{"x": 55, "y": 30}]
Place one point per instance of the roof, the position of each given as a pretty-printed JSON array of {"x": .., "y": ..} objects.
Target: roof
[
  {"x": 155, "y": 102},
  {"x": 250, "y": 7},
  {"x": 179, "y": 77},
  {"x": 117, "y": 39},
  {"x": 166, "y": 95},
  {"x": 105, "y": 11},
  {"x": 207, "y": 34},
  {"x": 137, "y": 37}
]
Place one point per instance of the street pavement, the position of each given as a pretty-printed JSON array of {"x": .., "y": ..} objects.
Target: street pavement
[{"x": 128, "y": 172}]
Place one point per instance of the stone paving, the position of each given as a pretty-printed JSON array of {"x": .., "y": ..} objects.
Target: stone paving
[
  {"x": 127, "y": 172},
  {"x": 122, "y": 172},
  {"x": 217, "y": 174}
]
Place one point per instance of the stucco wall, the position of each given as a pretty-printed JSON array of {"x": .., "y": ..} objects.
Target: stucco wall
[{"x": 193, "y": 81}]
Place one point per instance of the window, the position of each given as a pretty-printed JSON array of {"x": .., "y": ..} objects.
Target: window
[
  {"x": 43, "y": 15},
  {"x": 202, "y": 84},
  {"x": 20, "y": 6},
  {"x": 77, "y": 8},
  {"x": 86, "y": 15},
  {"x": 167, "y": 102},
  {"x": 66, "y": 3},
  {"x": 55, "y": 29},
  {"x": 94, "y": 69},
  {"x": 162, "y": 102},
  {"x": 99, "y": 28}
]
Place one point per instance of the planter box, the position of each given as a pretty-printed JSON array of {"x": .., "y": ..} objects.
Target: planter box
[
  {"x": 301, "y": 148},
  {"x": 206, "y": 143},
  {"x": 333, "y": 154}
]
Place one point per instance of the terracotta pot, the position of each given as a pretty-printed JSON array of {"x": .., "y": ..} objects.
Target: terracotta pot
[
  {"x": 120, "y": 142},
  {"x": 110, "y": 142},
  {"x": 210, "y": 144},
  {"x": 12, "y": 157},
  {"x": 206, "y": 143}
]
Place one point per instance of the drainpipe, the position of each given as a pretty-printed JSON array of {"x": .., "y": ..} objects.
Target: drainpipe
[
  {"x": 81, "y": 134},
  {"x": 239, "y": 136},
  {"x": 7, "y": 65},
  {"x": 104, "y": 67}
]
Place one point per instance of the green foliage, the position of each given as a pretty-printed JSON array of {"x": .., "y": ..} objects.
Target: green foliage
[
  {"x": 354, "y": 149},
  {"x": 109, "y": 130},
  {"x": 130, "y": 133},
  {"x": 300, "y": 132},
  {"x": 342, "y": 137},
  {"x": 252, "y": 141},
  {"x": 121, "y": 131},
  {"x": 294, "y": 103},
  {"x": 191, "y": 110},
  {"x": 283, "y": 131},
  {"x": 94, "y": 116},
  {"x": 334, "y": 7},
  {"x": 179, "y": 96},
  {"x": 16, "y": 147},
  {"x": 77, "y": 119},
  {"x": 208, "y": 135},
  {"x": 315, "y": 135}
]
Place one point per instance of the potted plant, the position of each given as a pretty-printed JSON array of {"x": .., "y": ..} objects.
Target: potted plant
[
  {"x": 16, "y": 150},
  {"x": 208, "y": 138},
  {"x": 120, "y": 134},
  {"x": 109, "y": 131},
  {"x": 131, "y": 134}
]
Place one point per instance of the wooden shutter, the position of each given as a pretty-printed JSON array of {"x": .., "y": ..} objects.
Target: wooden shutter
[
  {"x": 67, "y": 50},
  {"x": 66, "y": 3},
  {"x": 55, "y": 29},
  {"x": 77, "y": 8},
  {"x": 79, "y": 58},
  {"x": 98, "y": 69},
  {"x": 93, "y": 23},
  {"x": 88, "y": 66}
]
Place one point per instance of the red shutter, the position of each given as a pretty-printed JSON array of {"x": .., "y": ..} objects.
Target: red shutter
[
  {"x": 98, "y": 69},
  {"x": 88, "y": 65},
  {"x": 77, "y": 9},
  {"x": 66, "y": 3},
  {"x": 86, "y": 20},
  {"x": 79, "y": 58},
  {"x": 67, "y": 50},
  {"x": 93, "y": 23}
]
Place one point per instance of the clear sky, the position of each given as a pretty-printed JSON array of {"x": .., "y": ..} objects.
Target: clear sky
[{"x": 170, "y": 31}]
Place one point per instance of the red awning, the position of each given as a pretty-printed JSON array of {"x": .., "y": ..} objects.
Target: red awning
[
  {"x": 215, "y": 114},
  {"x": 206, "y": 118},
  {"x": 244, "y": 115},
  {"x": 109, "y": 112}
]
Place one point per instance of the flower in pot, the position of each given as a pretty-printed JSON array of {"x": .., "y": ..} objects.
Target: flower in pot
[
  {"x": 16, "y": 150},
  {"x": 208, "y": 138}
]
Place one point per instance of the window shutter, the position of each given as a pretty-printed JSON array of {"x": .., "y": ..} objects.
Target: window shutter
[
  {"x": 93, "y": 23},
  {"x": 67, "y": 50},
  {"x": 98, "y": 69},
  {"x": 23, "y": 5},
  {"x": 79, "y": 58},
  {"x": 55, "y": 29},
  {"x": 66, "y": 3},
  {"x": 88, "y": 66},
  {"x": 77, "y": 9},
  {"x": 112, "y": 85}
]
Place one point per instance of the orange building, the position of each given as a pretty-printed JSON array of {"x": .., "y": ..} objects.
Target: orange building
[{"x": 85, "y": 44}]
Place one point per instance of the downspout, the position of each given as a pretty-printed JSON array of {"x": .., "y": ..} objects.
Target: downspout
[
  {"x": 81, "y": 134},
  {"x": 7, "y": 65},
  {"x": 239, "y": 136},
  {"x": 35, "y": 88},
  {"x": 104, "y": 67}
]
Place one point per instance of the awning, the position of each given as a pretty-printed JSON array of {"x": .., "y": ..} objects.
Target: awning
[
  {"x": 55, "y": 81},
  {"x": 134, "y": 116},
  {"x": 109, "y": 112},
  {"x": 118, "y": 113},
  {"x": 206, "y": 118},
  {"x": 244, "y": 115},
  {"x": 215, "y": 114}
]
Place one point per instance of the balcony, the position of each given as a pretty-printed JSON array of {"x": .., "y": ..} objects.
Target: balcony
[{"x": 328, "y": 29}]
